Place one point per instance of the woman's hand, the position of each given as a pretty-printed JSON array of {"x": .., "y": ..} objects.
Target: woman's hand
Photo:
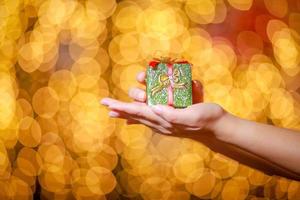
[
  {"x": 166, "y": 119},
  {"x": 245, "y": 141}
]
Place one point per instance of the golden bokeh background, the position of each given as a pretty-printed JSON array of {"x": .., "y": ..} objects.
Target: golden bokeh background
[{"x": 58, "y": 58}]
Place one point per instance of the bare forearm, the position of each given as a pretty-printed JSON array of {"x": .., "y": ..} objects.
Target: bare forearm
[{"x": 278, "y": 145}]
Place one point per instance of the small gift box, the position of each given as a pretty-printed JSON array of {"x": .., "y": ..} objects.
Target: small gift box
[{"x": 169, "y": 82}]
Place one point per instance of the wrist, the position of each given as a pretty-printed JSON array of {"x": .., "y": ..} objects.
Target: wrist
[{"x": 223, "y": 127}]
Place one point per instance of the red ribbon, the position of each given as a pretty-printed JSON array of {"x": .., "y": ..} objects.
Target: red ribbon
[
  {"x": 169, "y": 63},
  {"x": 154, "y": 63},
  {"x": 170, "y": 88}
]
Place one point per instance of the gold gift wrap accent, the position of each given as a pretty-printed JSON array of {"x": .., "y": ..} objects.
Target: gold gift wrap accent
[{"x": 165, "y": 81}]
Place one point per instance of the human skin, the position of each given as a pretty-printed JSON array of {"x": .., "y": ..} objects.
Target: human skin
[{"x": 274, "y": 150}]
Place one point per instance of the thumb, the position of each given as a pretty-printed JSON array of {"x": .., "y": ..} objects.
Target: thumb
[{"x": 197, "y": 92}]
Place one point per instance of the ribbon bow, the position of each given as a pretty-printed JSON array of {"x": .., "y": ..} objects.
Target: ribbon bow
[
  {"x": 167, "y": 60},
  {"x": 166, "y": 80}
]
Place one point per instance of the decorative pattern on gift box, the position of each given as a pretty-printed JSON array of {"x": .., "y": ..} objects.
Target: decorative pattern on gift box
[{"x": 169, "y": 82}]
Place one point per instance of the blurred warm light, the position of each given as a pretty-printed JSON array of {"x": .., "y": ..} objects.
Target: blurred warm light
[
  {"x": 204, "y": 185},
  {"x": 236, "y": 188},
  {"x": 202, "y": 12},
  {"x": 241, "y": 4},
  {"x": 64, "y": 84},
  {"x": 45, "y": 102},
  {"x": 7, "y": 102},
  {"x": 29, "y": 132},
  {"x": 188, "y": 168},
  {"x": 277, "y": 8},
  {"x": 59, "y": 57}
]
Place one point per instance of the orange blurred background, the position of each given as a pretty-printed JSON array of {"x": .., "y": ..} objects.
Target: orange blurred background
[{"x": 58, "y": 58}]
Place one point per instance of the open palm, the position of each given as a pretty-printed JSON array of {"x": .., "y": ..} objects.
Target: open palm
[{"x": 166, "y": 119}]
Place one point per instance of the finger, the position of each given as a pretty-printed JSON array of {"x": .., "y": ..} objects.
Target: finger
[
  {"x": 162, "y": 131},
  {"x": 114, "y": 114},
  {"x": 186, "y": 116},
  {"x": 137, "y": 94},
  {"x": 136, "y": 110},
  {"x": 141, "y": 77},
  {"x": 133, "y": 109},
  {"x": 108, "y": 101},
  {"x": 131, "y": 121},
  {"x": 122, "y": 115},
  {"x": 139, "y": 110},
  {"x": 119, "y": 114},
  {"x": 197, "y": 92}
]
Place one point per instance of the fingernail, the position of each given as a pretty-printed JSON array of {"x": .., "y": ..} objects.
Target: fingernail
[
  {"x": 113, "y": 114},
  {"x": 168, "y": 133},
  {"x": 141, "y": 96},
  {"x": 104, "y": 101},
  {"x": 157, "y": 109}
]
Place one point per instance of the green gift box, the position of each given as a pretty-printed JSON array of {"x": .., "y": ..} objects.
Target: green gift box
[{"x": 169, "y": 82}]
